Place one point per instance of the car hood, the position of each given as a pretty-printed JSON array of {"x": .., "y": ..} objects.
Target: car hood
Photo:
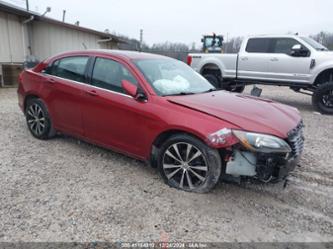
[{"x": 247, "y": 112}]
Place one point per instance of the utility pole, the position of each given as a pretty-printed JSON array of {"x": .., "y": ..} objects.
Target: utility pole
[
  {"x": 27, "y": 4},
  {"x": 141, "y": 39},
  {"x": 63, "y": 15}
]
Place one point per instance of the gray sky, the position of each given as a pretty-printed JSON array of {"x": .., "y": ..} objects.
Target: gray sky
[{"x": 186, "y": 20}]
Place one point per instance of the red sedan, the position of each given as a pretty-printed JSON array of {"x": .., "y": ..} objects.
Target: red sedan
[{"x": 159, "y": 110}]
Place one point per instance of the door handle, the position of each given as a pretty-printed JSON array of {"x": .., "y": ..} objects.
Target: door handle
[
  {"x": 274, "y": 59},
  {"x": 50, "y": 80},
  {"x": 244, "y": 58},
  {"x": 92, "y": 93}
]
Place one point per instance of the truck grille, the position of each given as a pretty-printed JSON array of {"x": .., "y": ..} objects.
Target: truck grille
[{"x": 296, "y": 140}]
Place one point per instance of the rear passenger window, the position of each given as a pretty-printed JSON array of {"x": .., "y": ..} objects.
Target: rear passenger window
[
  {"x": 108, "y": 74},
  {"x": 258, "y": 45},
  {"x": 72, "y": 68}
]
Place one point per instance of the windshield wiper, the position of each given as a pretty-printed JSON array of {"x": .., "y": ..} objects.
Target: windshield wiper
[
  {"x": 210, "y": 90},
  {"x": 180, "y": 93}
]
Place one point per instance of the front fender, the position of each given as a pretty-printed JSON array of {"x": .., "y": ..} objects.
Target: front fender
[{"x": 321, "y": 68}]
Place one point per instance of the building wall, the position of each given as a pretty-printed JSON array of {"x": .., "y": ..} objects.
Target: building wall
[
  {"x": 11, "y": 39},
  {"x": 50, "y": 39}
]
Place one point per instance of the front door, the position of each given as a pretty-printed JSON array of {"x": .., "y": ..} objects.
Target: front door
[
  {"x": 285, "y": 67},
  {"x": 111, "y": 117}
]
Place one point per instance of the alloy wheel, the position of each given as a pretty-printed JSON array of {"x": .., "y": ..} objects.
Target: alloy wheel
[
  {"x": 328, "y": 99},
  {"x": 36, "y": 119},
  {"x": 185, "y": 165}
]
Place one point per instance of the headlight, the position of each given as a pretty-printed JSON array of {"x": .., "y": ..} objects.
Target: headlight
[
  {"x": 220, "y": 137},
  {"x": 261, "y": 142}
]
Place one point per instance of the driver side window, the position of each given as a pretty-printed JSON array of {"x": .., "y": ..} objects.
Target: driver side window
[
  {"x": 285, "y": 45},
  {"x": 108, "y": 74}
]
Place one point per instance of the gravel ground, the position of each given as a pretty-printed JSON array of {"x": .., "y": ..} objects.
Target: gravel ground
[{"x": 67, "y": 190}]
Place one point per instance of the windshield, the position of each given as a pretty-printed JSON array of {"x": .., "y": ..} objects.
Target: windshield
[
  {"x": 211, "y": 42},
  {"x": 172, "y": 77},
  {"x": 314, "y": 44}
]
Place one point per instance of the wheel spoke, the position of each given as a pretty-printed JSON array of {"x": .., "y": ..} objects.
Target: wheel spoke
[
  {"x": 30, "y": 113},
  {"x": 171, "y": 166},
  {"x": 189, "y": 181},
  {"x": 195, "y": 156},
  {"x": 172, "y": 156},
  {"x": 188, "y": 150},
  {"x": 175, "y": 147},
  {"x": 201, "y": 178},
  {"x": 173, "y": 174},
  {"x": 38, "y": 129},
  {"x": 181, "y": 185},
  {"x": 35, "y": 109},
  {"x": 202, "y": 168},
  {"x": 30, "y": 121}
]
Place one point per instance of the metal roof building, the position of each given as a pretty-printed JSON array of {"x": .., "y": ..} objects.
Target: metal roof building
[{"x": 26, "y": 34}]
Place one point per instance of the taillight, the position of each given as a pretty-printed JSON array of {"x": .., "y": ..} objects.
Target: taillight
[
  {"x": 20, "y": 78},
  {"x": 189, "y": 60}
]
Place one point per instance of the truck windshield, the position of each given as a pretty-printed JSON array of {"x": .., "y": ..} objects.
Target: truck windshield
[
  {"x": 314, "y": 44},
  {"x": 172, "y": 77},
  {"x": 211, "y": 42}
]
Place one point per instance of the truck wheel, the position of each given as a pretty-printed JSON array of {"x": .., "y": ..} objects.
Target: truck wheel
[
  {"x": 236, "y": 89},
  {"x": 322, "y": 98},
  {"x": 214, "y": 80}
]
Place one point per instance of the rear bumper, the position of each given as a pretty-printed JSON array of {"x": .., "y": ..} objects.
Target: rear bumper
[{"x": 20, "y": 100}]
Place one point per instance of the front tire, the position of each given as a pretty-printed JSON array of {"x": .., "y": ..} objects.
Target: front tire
[
  {"x": 322, "y": 98},
  {"x": 188, "y": 164},
  {"x": 38, "y": 119}
]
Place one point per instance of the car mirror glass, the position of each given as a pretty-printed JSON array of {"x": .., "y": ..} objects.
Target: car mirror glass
[{"x": 129, "y": 88}]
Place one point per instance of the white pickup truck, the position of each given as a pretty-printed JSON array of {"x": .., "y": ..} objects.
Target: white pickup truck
[{"x": 298, "y": 62}]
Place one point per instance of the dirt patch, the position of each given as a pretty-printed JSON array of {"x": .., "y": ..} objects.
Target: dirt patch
[{"x": 67, "y": 190}]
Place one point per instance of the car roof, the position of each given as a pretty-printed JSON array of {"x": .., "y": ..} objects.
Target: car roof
[
  {"x": 273, "y": 36},
  {"x": 124, "y": 54}
]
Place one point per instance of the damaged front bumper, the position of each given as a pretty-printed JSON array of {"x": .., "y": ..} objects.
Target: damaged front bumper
[
  {"x": 266, "y": 167},
  {"x": 275, "y": 167},
  {"x": 263, "y": 167}
]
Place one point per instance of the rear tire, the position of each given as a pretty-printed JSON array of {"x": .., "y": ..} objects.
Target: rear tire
[
  {"x": 188, "y": 164},
  {"x": 213, "y": 79},
  {"x": 38, "y": 119},
  {"x": 322, "y": 98},
  {"x": 236, "y": 89}
]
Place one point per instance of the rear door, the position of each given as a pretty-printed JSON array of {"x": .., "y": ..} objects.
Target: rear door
[
  {"x": 253, "y": 61},
  {"x": 285, "y": 67},
  {"x": 64, "y": 80}
]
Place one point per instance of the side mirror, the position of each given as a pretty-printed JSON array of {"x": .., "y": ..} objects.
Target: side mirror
[
  {"x": 298, "y": 51},
  {"x": 129, "y": 88},
  {"x": 296, "y": 47},
  {"x": 133, "y": 91}
]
